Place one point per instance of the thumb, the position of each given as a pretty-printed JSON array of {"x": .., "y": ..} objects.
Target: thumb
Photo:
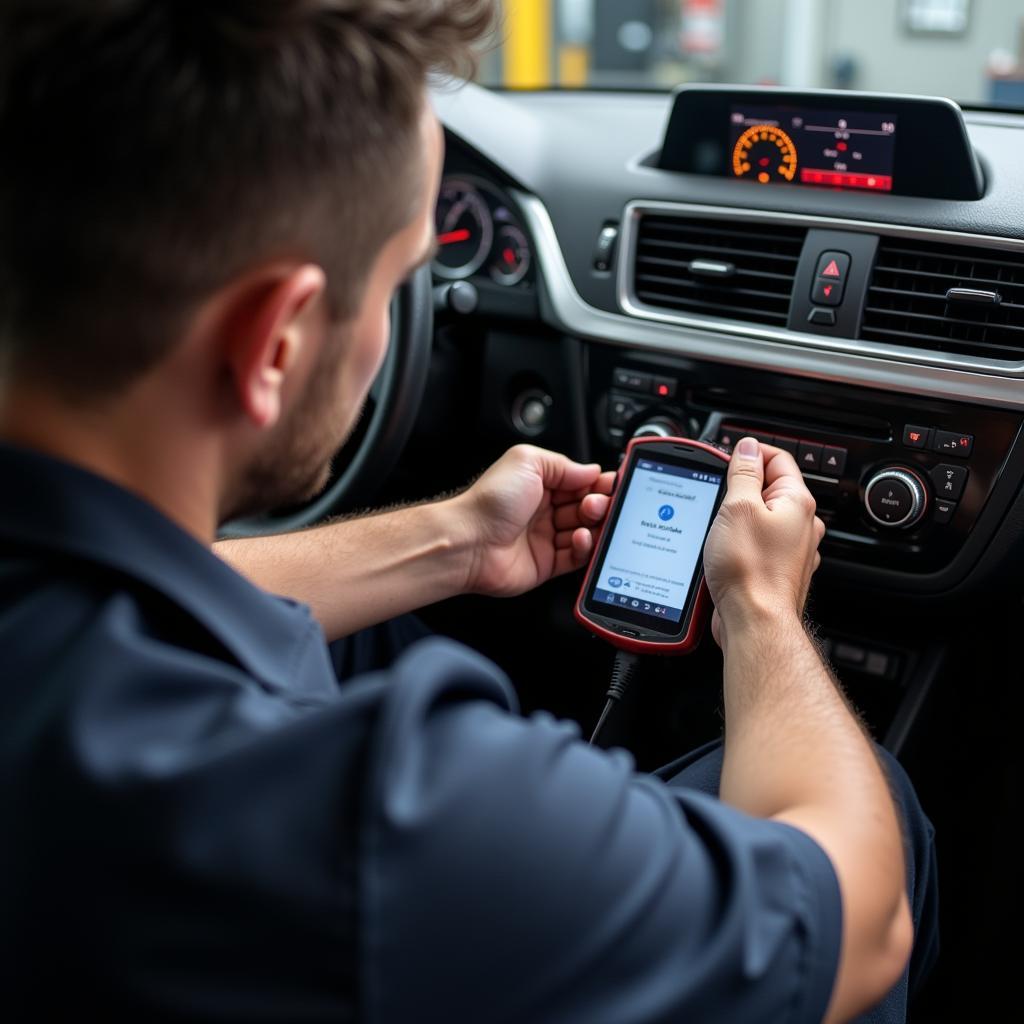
[
  {"x": 746, "y": 470},
  {"x": 559, "y": 472}
]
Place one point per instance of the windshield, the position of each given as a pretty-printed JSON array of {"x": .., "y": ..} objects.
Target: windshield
[{"x": 969, "y": 50}]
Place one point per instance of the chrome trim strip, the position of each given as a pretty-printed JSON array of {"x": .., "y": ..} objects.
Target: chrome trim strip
[{"x": 842, "y": 360}]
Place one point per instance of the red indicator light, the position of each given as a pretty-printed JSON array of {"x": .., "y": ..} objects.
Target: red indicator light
[
  {"x": 510, "y": 256},
  {"x": 915, "y": 436},
  {"x": 827, "y": 290},
  {"x": 663, "y": 389},
  {"x": 832, "y": 270},
  {"x": 964, "y": 442},
  {"x": 842, "y": 147},
  {"x": 846, "y": 179}
]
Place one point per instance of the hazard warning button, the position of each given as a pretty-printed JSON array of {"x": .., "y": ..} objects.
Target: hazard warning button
[
  {"x": 830, "y": 279},
  {"x": 833, "y": 266}
]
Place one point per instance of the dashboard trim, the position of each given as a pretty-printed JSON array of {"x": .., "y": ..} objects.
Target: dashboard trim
[
  {"x": 844, "y": 360},
  {"x": 633, "y": 306}
]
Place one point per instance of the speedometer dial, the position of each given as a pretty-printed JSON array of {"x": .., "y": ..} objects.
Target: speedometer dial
[
  {"x": 465, "y": 229},
  {"x": 765, "y": 153}
]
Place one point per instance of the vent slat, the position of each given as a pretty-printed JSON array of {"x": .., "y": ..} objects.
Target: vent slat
[
  {"x": 758, "y": 292},
  {"x": 701, "y": 248},
  {"x": 745, "y": 235},
  {"x": 653, "y": 298},
  {"x": 663, "y": 261},
  {"x": 907, "y": 299},
  {"x": 1009, "y": 307},
  {"x": 945, "y": 321},
  {"x": 752, "y": 293},
  {"x": 936, "y": 275}
]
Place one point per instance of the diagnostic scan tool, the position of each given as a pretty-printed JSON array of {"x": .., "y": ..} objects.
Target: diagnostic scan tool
[{"x": 644, "y": 589}]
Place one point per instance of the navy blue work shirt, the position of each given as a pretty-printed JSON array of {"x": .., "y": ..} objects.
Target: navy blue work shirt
[{"x": 199, "y": 823}]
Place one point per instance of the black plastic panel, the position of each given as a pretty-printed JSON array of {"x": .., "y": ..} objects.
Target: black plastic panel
[
  {"x": 861, "y": 250},
  {"x": 868, "y": 424}
]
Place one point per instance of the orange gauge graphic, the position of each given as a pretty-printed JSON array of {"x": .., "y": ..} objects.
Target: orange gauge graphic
[{"x": 765, "y": 153}]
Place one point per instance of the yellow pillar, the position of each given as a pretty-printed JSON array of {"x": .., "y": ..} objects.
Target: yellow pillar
[
  {"x": 573, "y": 65},
  {"x": 527, "y": 49}
]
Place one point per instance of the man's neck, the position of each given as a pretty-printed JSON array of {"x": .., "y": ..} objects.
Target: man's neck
[{"x": 126, "y": 441}]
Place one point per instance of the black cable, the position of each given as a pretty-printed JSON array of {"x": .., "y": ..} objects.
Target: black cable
[{"x": 622, "y": 675}]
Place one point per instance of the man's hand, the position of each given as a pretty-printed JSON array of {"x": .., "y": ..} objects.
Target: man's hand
[
  {"x": 530, "y": 517},
  {"x": 762, "y": 549}
]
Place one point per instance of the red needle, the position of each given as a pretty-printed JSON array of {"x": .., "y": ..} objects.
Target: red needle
[{"x": 453, "y": 236}]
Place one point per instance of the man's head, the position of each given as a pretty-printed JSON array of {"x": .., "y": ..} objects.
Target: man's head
[{"x": 257, "y": 173}]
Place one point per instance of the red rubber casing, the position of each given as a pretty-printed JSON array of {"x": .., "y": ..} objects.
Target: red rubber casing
[{"x": 702, "y": 605}]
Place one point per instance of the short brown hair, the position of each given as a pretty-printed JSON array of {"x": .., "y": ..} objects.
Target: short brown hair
[{"x": 152, "y": 149}]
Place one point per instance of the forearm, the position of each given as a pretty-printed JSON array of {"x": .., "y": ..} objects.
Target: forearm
[
  {"x": 357, "y": 572},
  {"x": 795, "y": 751}
]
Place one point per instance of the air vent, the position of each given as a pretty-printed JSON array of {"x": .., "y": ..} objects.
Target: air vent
[
  {"x": 947, "y": 298},
  {"x": 721, "y": 268}
]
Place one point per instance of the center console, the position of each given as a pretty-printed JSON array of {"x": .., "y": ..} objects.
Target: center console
[{"x": 908, "y": 486}]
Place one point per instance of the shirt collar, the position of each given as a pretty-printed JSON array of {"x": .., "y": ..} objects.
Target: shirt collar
[{"x": 56, "y": 507}]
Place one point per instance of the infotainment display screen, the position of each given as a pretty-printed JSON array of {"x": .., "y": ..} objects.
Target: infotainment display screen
[{"x": 838, "y": 149}]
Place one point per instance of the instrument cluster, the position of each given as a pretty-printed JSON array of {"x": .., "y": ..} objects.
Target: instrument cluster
[{"x": 479, "y": 234}]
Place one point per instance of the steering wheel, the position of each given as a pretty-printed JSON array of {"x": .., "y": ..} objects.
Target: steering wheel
[{"x": 384, "y": 428}]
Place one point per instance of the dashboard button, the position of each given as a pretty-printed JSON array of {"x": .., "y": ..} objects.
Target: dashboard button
[
  {"x": 943, "y": 511},
  {"x": 916, "y": 437},
  {"x": 833, "y": 460},
  {"x": 787, "y": 444},
  {"x": 826, "y": 292},
  {"x": 605, "y": 247},
  {"x": 809, "y": 456},
  {"x": 833, "y": 266},
  {"x": 728, "y": 436},
  {"x": 621, "y": 411},
  {"x": 949, "y": 443},
  {"x": 631, "y": 380},
  {"x": 894, "y": 498},
  {"x": 949, "y": 481},
  {"x": 664, "y": 387},
  {"x": 822, "y": 317}
]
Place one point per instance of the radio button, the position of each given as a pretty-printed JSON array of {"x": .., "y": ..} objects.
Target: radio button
[
  {"x": 916, "y": 437},
  {"x": 808, "y": 456},
  {"x": 944, "y": 511},
  {"x": 631, "y": 380},
  {"x": 787, "y": 444},
  {"x": 950, "y": 443},
  {"x": 949, "y": 481},
  {"x": 833, "y": 460}
]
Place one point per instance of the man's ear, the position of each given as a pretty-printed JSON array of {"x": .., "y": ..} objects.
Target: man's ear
[{"x": 265, "y": 335}]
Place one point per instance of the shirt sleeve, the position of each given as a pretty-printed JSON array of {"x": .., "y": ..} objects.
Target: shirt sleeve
[{"x": 512, "y": 873}]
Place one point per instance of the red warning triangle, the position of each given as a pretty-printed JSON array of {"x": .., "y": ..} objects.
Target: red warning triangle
[{"x": 832, "y": 270}]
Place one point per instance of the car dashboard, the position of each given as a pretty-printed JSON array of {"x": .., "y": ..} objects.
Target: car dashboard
[{"x": 877, "y": 336}]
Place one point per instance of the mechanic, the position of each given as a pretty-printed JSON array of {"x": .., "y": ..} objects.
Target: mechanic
[{"x": 205, "y": 209}]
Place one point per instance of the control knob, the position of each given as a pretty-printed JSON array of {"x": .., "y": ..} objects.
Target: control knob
[
  {"x": 660, "y": 426},
  {"x": 895, "y": 497}
]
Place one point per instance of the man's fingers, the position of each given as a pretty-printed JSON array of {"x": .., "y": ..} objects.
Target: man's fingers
[
  {"x": 746, "y": 471},
  {"x": 574, "y": 553},
  {"x": 560, "y": 473},
  {"x": 588, "y": 512},
  {"x": 819, "y": 529},
  {"x": 604, "y": 484}
]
